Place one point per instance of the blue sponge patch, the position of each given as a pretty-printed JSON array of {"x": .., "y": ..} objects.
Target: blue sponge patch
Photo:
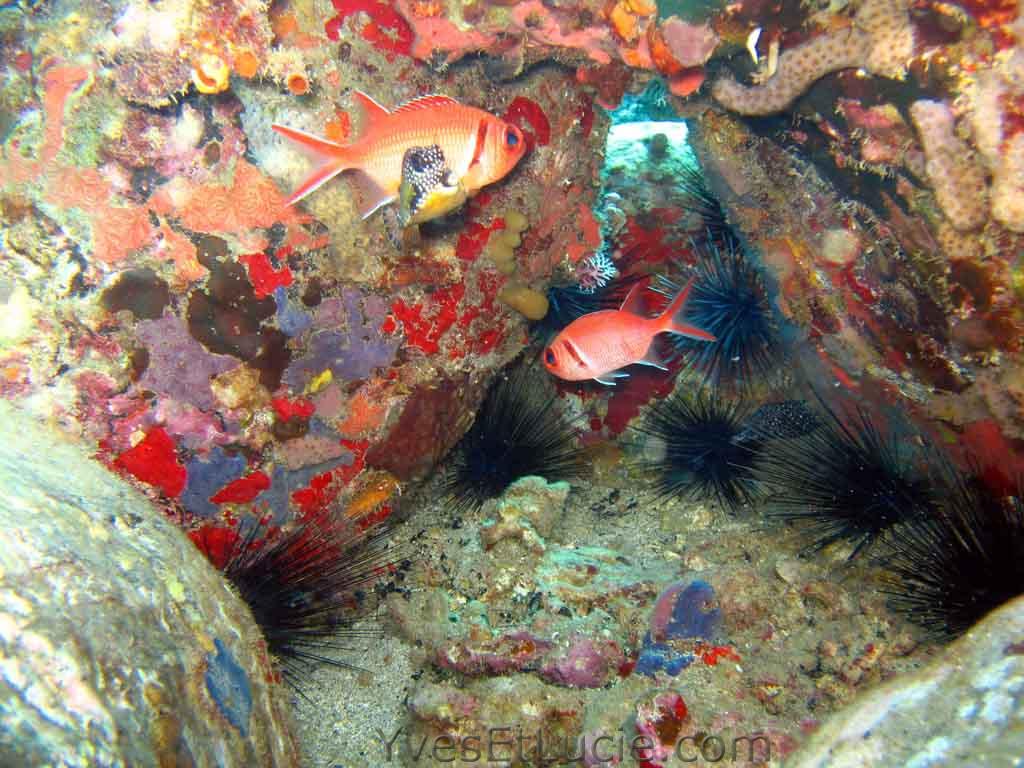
[{"x": 229, "y": 687}]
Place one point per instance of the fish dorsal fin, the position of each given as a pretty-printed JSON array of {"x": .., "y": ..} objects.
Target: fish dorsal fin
[
  {"x": 373, "y": 112},
  {"x": 425, "y": 102},
  {"x": 634, "y": 303}
]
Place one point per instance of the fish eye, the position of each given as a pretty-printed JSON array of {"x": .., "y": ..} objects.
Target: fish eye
[
  {"x": 511, "y": 138},
  {"x": 549, "y": 356}
]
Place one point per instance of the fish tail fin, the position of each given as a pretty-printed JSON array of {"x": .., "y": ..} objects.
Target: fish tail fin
[
  {"x": 334, "y": 158},
  {"x": 672, "y": 320}
]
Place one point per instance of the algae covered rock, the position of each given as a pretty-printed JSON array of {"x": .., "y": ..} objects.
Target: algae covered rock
[
  {"x": 964, "y": 708},
  {"x": 119, "y": 643},
  {"x": 493, "y": 721},
  {"x": 527, "y": 512}
]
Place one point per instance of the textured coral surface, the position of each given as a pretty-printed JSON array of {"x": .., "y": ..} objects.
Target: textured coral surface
[{"x": 205, "y": 326}]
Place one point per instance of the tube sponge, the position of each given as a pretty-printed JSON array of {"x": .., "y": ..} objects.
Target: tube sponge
[
  {"x": 1003, "y": 157},
  {"x": 956, "y": 178},
  {"x": 888, "y": 25},
  {"x": 1008, "y": 186}
]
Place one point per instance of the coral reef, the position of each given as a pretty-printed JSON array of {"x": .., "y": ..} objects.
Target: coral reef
[
  {"x": 239, "y": 357},
  {"x": 253, "y": 366},
  {"x": 157, "y": 52},
  {"x": 797, "y": 69},
  {"x": 524, "y": 621}
]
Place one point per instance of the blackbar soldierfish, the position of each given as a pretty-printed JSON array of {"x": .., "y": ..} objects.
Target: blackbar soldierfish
[
  {"x": 600, "y": 344},
  {"x": 478, "y": 148}
]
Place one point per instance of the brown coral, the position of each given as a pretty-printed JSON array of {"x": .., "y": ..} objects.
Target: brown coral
[{"x": 892, "y": 36}]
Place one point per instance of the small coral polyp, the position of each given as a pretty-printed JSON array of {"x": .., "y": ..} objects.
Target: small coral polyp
[
  {"x": 210, "y": 73},
  {"x": 298, "y": 84}
]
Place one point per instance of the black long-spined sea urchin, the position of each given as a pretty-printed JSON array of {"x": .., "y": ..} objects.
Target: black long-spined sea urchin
[
  {"x": 703, "y": 450},
  {"x": 700, "y": 200},
  {"x": 729, "y": 299},
  {"x": 944, "y": 572},
  {"x": 308, "y": 586},
  {"x": 849, "y": 481},
  {"x": 518, "y": 431}
]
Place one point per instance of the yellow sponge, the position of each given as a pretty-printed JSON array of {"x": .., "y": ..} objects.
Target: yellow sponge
[
  {"x": 501, "y": 245},
  {"x": 531, "y": 304}
]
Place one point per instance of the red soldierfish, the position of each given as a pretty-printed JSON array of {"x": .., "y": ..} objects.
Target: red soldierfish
[
  {"x": 478, "y": 148},
  {"x": 600, "y": 344}
]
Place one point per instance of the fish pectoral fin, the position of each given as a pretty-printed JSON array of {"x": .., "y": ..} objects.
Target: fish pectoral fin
[
  {"x": 369, "y": 194},
  {"x": 609, "y": 378}
]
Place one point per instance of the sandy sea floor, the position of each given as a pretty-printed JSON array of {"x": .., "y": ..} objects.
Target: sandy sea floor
[{"x": 809, "y": 632}]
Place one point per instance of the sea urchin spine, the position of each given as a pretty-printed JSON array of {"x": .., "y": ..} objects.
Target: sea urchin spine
[
  {"x": 703, "y": 453},
  {"x": 308, "y": 586},
  {"x": 729, "y": 300},
  {"x": 700, "y": 201}
]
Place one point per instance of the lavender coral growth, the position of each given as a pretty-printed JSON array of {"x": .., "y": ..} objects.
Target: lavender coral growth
[{"x": 350, "y": 354}]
